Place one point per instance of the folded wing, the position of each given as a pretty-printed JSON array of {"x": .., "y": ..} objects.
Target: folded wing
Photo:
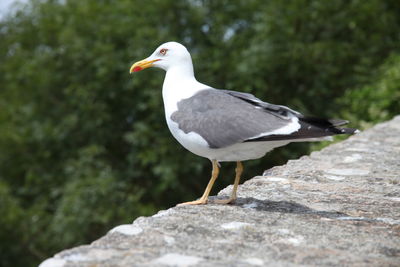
[{"x": 224, "y": 118}]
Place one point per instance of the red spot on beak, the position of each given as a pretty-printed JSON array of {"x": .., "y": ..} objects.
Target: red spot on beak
[{"x": 137, "y": 68}]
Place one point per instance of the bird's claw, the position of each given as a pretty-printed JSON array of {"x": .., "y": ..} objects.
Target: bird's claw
[
  {"x": 224, "y": 201},
  {"x": 195, "y": 202}
]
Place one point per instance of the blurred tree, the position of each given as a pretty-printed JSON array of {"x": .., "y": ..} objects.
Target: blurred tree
[
  {"x": 85, "y": 146},
  {"x": 378, "y": 100}
]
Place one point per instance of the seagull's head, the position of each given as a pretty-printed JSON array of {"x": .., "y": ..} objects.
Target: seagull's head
[{"x": 166, "y": 56}]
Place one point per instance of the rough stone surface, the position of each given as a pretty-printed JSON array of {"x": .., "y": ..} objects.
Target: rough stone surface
[{"x": 336, "y": 207}]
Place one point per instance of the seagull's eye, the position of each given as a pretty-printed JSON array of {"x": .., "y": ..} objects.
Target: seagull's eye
[{"x": 163, "y": 51}]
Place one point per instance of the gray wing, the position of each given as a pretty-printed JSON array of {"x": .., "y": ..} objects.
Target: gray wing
[
  {"x": 284, "y": 111},
  {"x": 277, "y": 110},
  {"x": 224, "y": 118},
  {"x": 310, "y": 127}
]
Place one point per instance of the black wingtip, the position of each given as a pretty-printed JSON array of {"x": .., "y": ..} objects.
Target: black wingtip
[
  {"x": 324, "y": 122},
  {"x": 331, "y": 125}
]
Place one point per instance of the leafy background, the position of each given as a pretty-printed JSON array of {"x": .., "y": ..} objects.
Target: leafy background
[{"x": 84, "y": 145}]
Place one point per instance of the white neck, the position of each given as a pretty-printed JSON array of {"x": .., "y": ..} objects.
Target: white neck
[{"x": 179, "y": 83}]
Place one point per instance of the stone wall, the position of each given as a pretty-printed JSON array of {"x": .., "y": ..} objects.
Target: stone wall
[{"x": 339, "y": 206}]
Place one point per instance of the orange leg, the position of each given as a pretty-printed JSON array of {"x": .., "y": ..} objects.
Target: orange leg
[
  {"x": 239, "y": 171},
  {"x": 204, "y": 198}
]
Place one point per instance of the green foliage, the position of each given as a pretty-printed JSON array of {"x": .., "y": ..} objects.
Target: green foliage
[
  {"x": 84, "y": 146},
  {"x": 378, "y": 100}
]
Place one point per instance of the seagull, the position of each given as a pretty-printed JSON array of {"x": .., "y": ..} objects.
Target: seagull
[{"x": 224, "y": 125}]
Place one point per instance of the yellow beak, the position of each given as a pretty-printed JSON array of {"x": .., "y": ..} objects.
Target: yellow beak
[{"x": 141, "y": 65}]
